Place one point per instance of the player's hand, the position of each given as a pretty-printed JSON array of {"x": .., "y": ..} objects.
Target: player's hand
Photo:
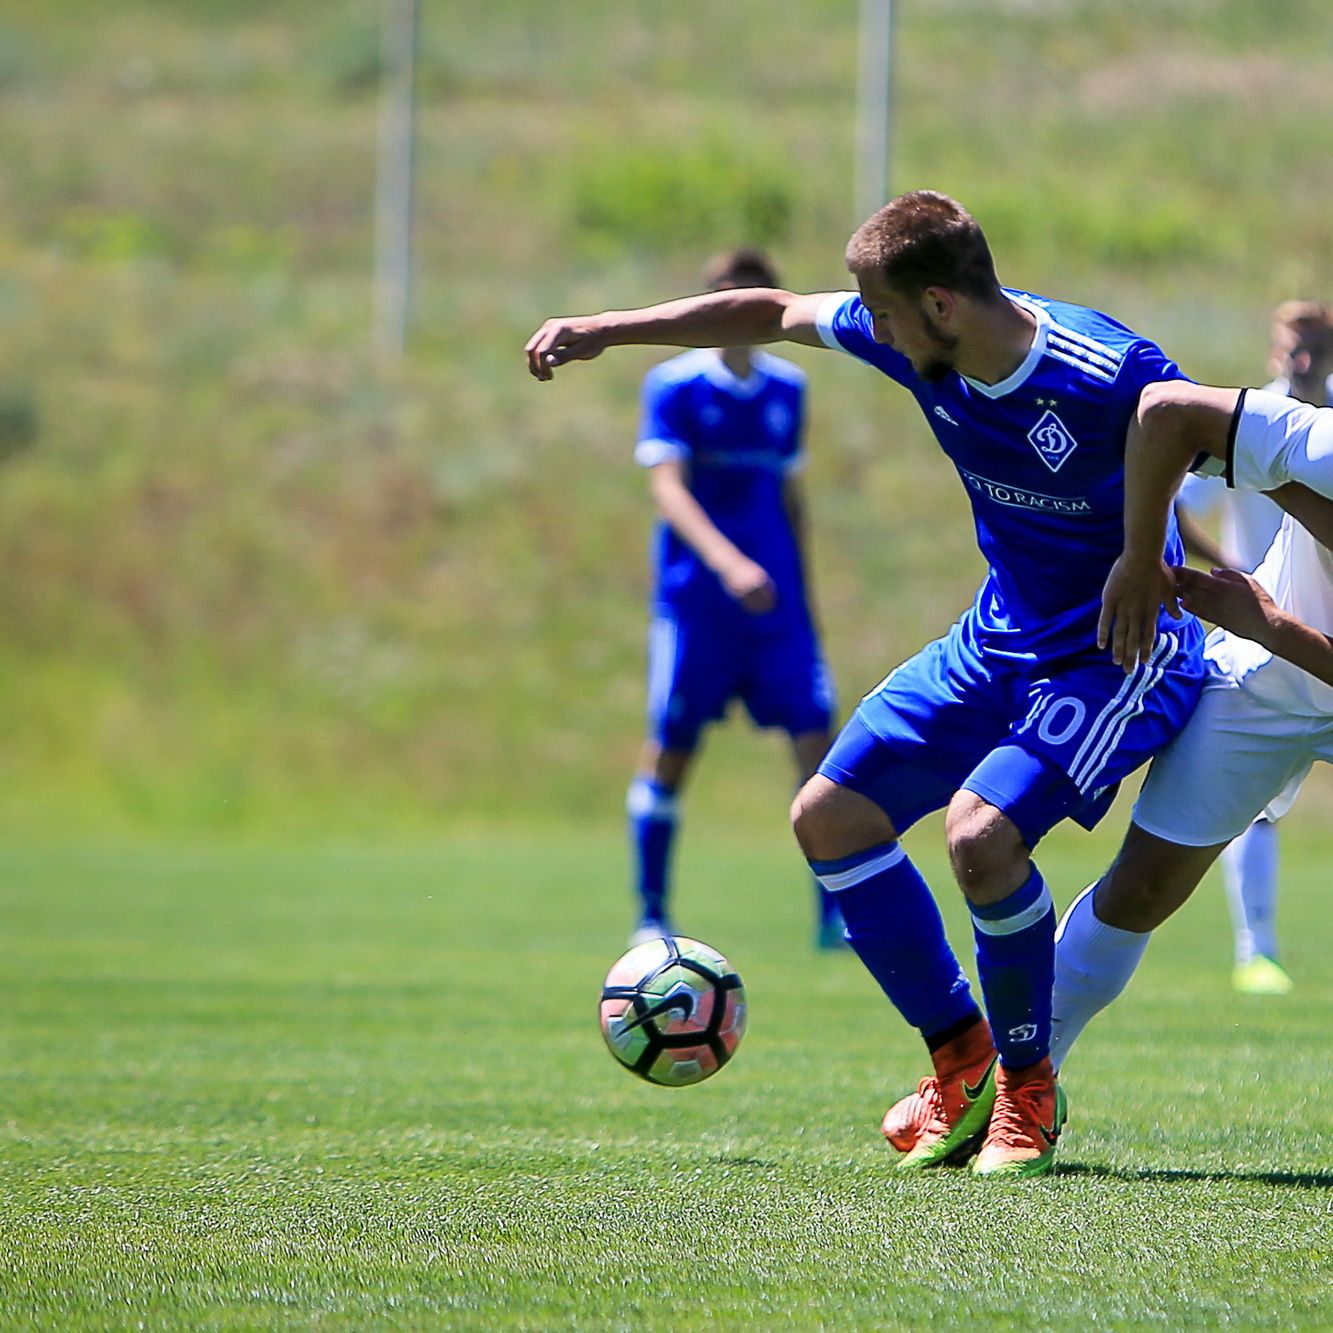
[
  {"x": 568, "y": 338},
  {"x": 1230, "y": 599},
  {"x": 1135, "y": 592},
  {"x": 751, "y": 586}
]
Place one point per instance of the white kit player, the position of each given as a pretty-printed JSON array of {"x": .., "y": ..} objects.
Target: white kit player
[
  {"x": 1266, "y": 714},
  {"x": 1301, "y": 361}
]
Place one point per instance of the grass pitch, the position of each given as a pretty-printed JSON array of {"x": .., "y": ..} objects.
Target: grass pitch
[{"x": 250, "y": 1088}]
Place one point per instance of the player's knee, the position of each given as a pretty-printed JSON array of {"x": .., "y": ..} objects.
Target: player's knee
[
  {"x": 1149, "y": 879},
  {"x": 1131, "y": 898},
  {"x": 831, "y": 821},
  {"x": 986, "y": 851}
]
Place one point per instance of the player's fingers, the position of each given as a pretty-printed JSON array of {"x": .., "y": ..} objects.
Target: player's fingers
[
  {"x": 1148, "y": 633},
  {"x": 1104, "y": 622},
  {"x": 537, "y": 349},
  {"x": 1118, "y": 637}
]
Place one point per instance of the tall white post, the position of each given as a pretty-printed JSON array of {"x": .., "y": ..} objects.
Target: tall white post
[
  {"x": 394, "y": 171},
  {"x": 873, "y": 107}
]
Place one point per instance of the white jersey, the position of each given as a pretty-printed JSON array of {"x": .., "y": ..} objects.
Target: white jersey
[
  {"x": 1249, "y": 519},
  {"x": 1279, "y": 440}
]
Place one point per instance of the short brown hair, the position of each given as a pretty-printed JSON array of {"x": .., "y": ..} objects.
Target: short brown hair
[
  {"x": 1310, "y": 321},
  {"x": 742, "y": 267},
  {"x": 925, "y": 239},
  {"x": 1299, "y": 314}
]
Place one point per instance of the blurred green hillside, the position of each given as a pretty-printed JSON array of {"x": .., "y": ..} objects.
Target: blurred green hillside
[{"x": 253, "y": 581}]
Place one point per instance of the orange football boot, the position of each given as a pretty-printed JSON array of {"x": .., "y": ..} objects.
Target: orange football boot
[
  {"x": 1029, "y": 1113},
  {"x": 945, "y": 1118}
]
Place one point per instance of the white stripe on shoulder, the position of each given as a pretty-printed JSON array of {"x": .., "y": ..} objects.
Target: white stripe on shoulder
[
  {"x": 1095, "y": 372},
  {"x": 1103, "y": 349},
  {"x": 1087, "y": 353},
  {"x": 828, "y": 311}
]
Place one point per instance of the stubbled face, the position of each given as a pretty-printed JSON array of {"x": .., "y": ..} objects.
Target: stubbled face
[
  {"x": 908, "y": 326},
  {"x": 1301, "y": 350}
]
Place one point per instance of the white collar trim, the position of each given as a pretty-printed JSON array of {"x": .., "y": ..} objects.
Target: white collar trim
[
  {"x": 1029, "y": 362},
  {"x": 721, "y": 376}
]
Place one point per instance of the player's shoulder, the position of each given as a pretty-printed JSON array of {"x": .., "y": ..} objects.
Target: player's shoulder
[
  {"x": 779, "y": 369},
  {"x": 1088, "y": 341}
]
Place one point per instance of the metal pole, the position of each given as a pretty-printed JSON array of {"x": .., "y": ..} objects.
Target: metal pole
[
  {"x": 393, "y": 178},
  {"x": 874, "y": 107}
]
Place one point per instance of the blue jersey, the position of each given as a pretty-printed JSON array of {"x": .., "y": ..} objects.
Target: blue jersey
[
  {"x": 740, "y": 440},
  {"x": 1041, "y": 456}
]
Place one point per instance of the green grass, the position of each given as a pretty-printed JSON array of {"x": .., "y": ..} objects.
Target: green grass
[{"x": 354, "y": 1087}]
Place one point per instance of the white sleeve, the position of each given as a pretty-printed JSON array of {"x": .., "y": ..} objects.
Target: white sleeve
[
  {"x": 828, "y": 311},
  {"x": 1277, "y": 440}
]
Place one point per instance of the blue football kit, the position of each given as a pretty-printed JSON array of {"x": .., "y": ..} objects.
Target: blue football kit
[
  {"x": 740, "y": 440},
  {"x": 1041, "y": 456},
  {"x": 1015, "y": 703}
]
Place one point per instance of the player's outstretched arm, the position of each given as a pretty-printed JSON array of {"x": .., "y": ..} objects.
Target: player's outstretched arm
[
  {"x": 1239, "y": 603},
  {"x": 737, "y": 317}
]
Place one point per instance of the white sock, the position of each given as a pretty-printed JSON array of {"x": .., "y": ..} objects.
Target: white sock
[
  {"x": 1249, "y": 870},
  {"x": 1093, "y": 964}
]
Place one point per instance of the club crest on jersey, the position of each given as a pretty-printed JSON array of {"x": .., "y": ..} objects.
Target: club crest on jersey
[{"x": 1051, "y": 439}]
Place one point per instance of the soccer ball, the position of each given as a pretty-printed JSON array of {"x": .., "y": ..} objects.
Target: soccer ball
[{"x": 673, "y": 1011}]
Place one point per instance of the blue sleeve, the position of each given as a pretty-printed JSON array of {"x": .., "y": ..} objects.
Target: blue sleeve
[
  {"x": 845, "y": 325},
  {"x": 663, "y": 424},
  {"x": 1145, "y": 363}
]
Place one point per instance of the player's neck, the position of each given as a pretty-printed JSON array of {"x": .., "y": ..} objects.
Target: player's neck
[
  {"x": 1309, "y": 389},
  {"x": 997, "y": 343},
  {"x": 738, "y": 360}
]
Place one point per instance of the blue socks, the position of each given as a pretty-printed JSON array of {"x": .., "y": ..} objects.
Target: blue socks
[
  {"x": 1016, "y": 967},
  {"x": 896, "y": 930},
  {"x": 651, "y": 808}
]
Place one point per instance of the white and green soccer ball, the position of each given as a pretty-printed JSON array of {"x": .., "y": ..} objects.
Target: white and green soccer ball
[{"x": 673, "y": 1011}]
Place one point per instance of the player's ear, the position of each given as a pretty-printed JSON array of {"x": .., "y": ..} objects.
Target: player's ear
[{"x": 939, "y": 303}]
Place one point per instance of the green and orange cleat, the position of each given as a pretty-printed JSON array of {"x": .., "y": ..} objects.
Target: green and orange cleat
[
  {"x": 1029, "y": 1112},
  {"x": 941, "y": 1123}
]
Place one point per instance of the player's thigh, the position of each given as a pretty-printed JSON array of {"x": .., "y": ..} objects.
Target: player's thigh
[
  {"x": 1235, "y": 758},
  {"x": 914, "y": 738},
  {"x": 693, "y": 671},
  {"x": 786, "y": 682}
]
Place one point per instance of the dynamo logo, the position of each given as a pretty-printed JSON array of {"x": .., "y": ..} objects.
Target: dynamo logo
[{"x": 1051, "y": 439}]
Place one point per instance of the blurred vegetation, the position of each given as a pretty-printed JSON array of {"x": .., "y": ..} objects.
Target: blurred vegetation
[{"x": 253, "y": 580}]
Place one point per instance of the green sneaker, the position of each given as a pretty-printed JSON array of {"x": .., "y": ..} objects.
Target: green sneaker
[
  {"x": 943, "y": 1121},
  {"x": 1261, "y": 976},
  {"x": 1030, "y": 1111}
]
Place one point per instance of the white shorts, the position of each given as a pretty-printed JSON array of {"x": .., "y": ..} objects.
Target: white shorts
[{"x": 1237, "y": 758}]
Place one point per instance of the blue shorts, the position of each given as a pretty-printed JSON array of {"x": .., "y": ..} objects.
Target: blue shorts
[
  {"x": 1041, "y": 741},
  {"x": 697, "y": 666}
]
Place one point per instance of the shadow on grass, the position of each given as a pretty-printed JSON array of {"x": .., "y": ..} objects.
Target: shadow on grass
[{"x": 1305, "y": 1180}]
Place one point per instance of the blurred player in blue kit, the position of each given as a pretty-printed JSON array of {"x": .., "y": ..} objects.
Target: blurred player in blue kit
[
  {"x": 722, "y": 438},
  {"x": 1015, "y": 719}
]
